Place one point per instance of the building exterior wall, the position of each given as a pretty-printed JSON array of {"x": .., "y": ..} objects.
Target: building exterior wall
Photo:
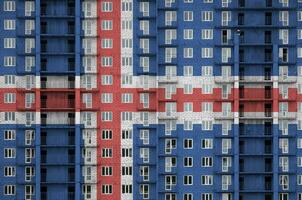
[{"x": 142, "y": 99}]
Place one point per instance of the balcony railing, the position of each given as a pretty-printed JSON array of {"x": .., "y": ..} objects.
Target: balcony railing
[
  {"x": 56, "y": 84},
  {"x": 52, "y": 104}
]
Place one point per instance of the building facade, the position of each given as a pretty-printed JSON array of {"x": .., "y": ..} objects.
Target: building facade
[{"x": 151, "y": 99}]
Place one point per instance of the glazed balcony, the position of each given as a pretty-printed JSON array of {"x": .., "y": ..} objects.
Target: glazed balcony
[
  {"x": 57, "y": 84},
  {"x": 59, "y": 104},
  {"x": 57, "y": 119}
]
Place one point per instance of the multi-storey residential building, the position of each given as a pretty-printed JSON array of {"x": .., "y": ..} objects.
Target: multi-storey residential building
[{"x": 151, "y": 99}]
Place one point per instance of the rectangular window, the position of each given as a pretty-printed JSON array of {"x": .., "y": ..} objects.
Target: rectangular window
[
  {"x": 9, "y": 135},
  {"x": 206, "y": 180},
  {"x": 188, "y": 15},
  {"x": 9, "y": 24},
  {"x": 9, "y": 98},
  {"x": 207, "y": 53},
  {"x": 107, "y": 79},
  {"x": 106, "y": 116},
  {"x": 9, "y": 6},
  {"x": 9, "y": 153},
  {"x": 9, "y": 43},
  {"x": 9, "y": 61},
  {"x": 207, "y": 34},
  {"x": 106, "y": 7},
  {"x": 188, "y": 34},
  {"x": 9, "y": 171},
  {"x": 9, "y": 190},
  {"x": 207, "y": 16}
]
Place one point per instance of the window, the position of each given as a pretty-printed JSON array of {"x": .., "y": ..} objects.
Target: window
[
  {"x": 106, "y": 189},
  {"x": 143, "y": 26},
  {"x": 106, "y": 116},
  {"x": 188, "y": 71},
  {"x": 206, "y": 162},
  {"x": 29, "y": 154},
  {"x": 144, "y": 8},
  {"x": 188, "y": 161},
  {"x": 9, "y": 171},
  {"x": 144, "y": 45},
  {"x": 9, "y": 135},
  {"x": 144, "y": 191},
  {"x": 207, "y": 143},
  {"x": 126, "y": 6},
  {"x": 226, "y": 54},
  {"x": 188, "y": 52},
  {"x": 207, "y": 107},
  {"x": 207, "y": 125},
  {"x": 144, "y": 172},
  {"x": 169, "y": 163},
  {"x": 144, "y": 154},
  {"x": 107, "y": 25},
  {"x": 188, "y": 89},
  {"x": 126, "y": 134},
  {"x": 106, "y": 97},
  {"x": 188, "y": 180},
  {"x": 207, "y": 53},
  {"x": 226, "y": 163},
  {"x": 226, "y": 181},
  {"x": 29, "y": 26},
  {"x": 188, "y": 143},
  {"x": 225, "y": 18},
  {"x": 207, "y": 196},
  {"x": 170, "y": 181},
  {"x": 284, "y": 181},
  {"x": 9, "y": 80},
  {"x": 107, "y": 43},
  {"x": 206, "y": 180},
  {"x": 29, "y": 173},
  {"x": 284, "y": 17},
  {"x": 9, "y": 190},
  {"x": 226, "y": 145},
  {"x": 127, "y": 98},
  {"x": 9, "y": 61},
  {"x": 29, "y": 45},
  {"x": 126, "y": 43},
  {"x": 188, "y": 196},
  {"x": 126, "y": 189},
  {"x": 107, "y": 79},
  {"x": 9, "y": 24},
  {"x": 207, "y": 88},
  {"x": 106, "y": 134},
  {"x": 188, "y": 34},
  {"x": 127, "y": 152},
  {"x": 283, "y": 164},
  {"x": 126, "y": 170},
  {"x": 106, "y": 153},
  {"x": 188, "y": 107},
  {"x": 9, "y": 116},
  {"x": 9, "y": 98},
  {"x": 9, "y": 153},
  {"x": 207, "y": 34},
  {"x": 188, "y": 15},
  {"x": 9, "y": 6},
  {"x": 144, "y": 136},
  {"x": 170, "y": 34},
  {"x": 107, "y": 7},
  {"x": 207, "y": 16},
  {"x": 9, "y": 43},
  {"x": 207, "y": 71}
]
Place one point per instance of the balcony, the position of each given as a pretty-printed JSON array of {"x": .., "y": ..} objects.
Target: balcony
[
  {"x": 256, "y": 115},
  {"x": 60, "y": 104},
  {"x": 167, "y": 79},
  {"x": 57, "y": 84},
  {"x": 57, "y": 119}
]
